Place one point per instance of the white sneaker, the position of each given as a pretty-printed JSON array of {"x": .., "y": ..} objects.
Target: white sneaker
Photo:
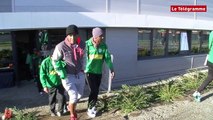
[
  {"x": 91, "y": 113},
  {"x": 195, "y": 93},
  {"x": 197, "y": 96},
  {"x": 94, "y": 110},
  {"x": 58, "y": 114},
  {"x": 65, "y": 111}
]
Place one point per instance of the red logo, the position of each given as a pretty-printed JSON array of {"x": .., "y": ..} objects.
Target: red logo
[{"x": 188, "y": 8}]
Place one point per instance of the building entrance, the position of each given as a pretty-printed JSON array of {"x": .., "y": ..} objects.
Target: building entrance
[{"x": 25, "y": 43}]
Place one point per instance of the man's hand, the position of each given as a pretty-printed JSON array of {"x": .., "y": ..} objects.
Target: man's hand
[
  {"x": 112, "y": 75},
  {"x": 46, "y": 90}
]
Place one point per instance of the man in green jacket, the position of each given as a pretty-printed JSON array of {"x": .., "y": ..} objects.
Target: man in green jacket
[
  {"x": 97, "y": 53},
  {"x": 52, "y": 85},
  {"x": 197, "y": 94}
]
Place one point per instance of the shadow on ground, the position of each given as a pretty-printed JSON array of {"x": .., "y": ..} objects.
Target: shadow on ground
[{"x": 25, "y": 95}]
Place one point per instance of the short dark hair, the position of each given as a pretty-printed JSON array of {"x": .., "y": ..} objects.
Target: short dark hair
[{"x": 72, "y": 30}]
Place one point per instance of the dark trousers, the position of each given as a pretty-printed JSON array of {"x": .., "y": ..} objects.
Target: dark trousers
[
  {"x": 93, "y": 81},
  {"x": 208, "y": 79},
  {"x": 38, "y": 84},
  {"x": 56, "y": 94}
]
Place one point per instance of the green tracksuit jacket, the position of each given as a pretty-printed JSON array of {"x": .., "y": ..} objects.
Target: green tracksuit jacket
[
  {"x": 210, "y": 58},
  {"x": 48, "y": 76},
  {"x": 96, "y": 56}
]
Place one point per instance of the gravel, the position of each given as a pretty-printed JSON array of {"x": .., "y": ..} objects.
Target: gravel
[{"x": 180, "y": 110}]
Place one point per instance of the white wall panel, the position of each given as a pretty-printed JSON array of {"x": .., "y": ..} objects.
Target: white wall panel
[
  {"x": 37, "y": 20},
  {"x": 124, "y": 7},
  {"x": 162, "y": 7},
  {"x": 121, "y": 13},
  {"x": 60, "y": 6},
  {"x": 206, "y": 15}
]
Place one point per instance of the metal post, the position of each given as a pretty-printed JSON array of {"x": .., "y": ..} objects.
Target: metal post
[
  {"x": 192, "y": 62},
  {"x": 110, "y": 78},
  {"x": 13, "y": 6},
  {"x": 195, "y": 13},
  {"x": 107, "y": 6},
  {"x": 138, "y": 6}
]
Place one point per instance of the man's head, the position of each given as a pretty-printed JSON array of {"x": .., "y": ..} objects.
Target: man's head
[
  {"x": 72, "y": 33},
  {"x": 97, "y": 34}
]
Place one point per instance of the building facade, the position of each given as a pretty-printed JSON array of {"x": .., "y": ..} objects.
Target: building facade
[{"x": 148, "y": 41}]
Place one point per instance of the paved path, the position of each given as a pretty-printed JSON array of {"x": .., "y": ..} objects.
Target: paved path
[
  {"x": 27, "y": 96},
  {"x": 24, "y": 96}
]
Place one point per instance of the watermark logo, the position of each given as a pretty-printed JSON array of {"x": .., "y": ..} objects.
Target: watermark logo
[{"x": 188, "y": 8}]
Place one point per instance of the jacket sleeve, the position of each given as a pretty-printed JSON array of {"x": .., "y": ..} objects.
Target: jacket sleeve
[
  {"x": 58, "y": 64},
  {"x": 211, "y": 40},
  {"x": 57, "y": 55},
  {"x": 43, "y": 74}
]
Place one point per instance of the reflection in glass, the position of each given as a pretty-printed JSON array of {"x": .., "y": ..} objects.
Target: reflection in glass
[
  {"x": 204, "y": 38},
  {"x": 199, "y": 41},
  {"x": 173, "y": 42},
  {"x": 6, "y": 60},
  {"x": 159, "y": 42},
  {"x": 144, "y": 40}
]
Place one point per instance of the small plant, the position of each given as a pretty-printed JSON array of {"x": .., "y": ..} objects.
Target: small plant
[
  {"x": 129, "y": 98},
  {"x": 22, "y": 115},
  {"x": 169, "y": 92},
  {"x": 154, "y": 93},
  {"x": 191, "y": 81}
]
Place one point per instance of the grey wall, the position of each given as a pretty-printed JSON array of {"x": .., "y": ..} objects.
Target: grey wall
[
  {"x": 5, "y": 5},
  {"x": 122, "y": 43}
]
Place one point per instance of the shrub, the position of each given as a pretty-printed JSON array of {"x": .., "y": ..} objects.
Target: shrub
[
  {"x": 191, "y": 81},
  {"x": 129, "y": 98},
  {"x": 169, "y": 92},
  {"x": 22, "y": 115}
]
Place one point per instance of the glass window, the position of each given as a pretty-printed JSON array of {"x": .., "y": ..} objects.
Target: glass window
[
  {"x": 195, "y": 41},
  {"x": 154, "y": 43},
  {"x": 204, "y": 38},
  {"x": 173, "y": 42},
  {"x": 6, "y": 59},
  {"x": 159, "y": 42},
  {"x": 144, "y": 41},
  {"x": 199, "y": 43}
]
